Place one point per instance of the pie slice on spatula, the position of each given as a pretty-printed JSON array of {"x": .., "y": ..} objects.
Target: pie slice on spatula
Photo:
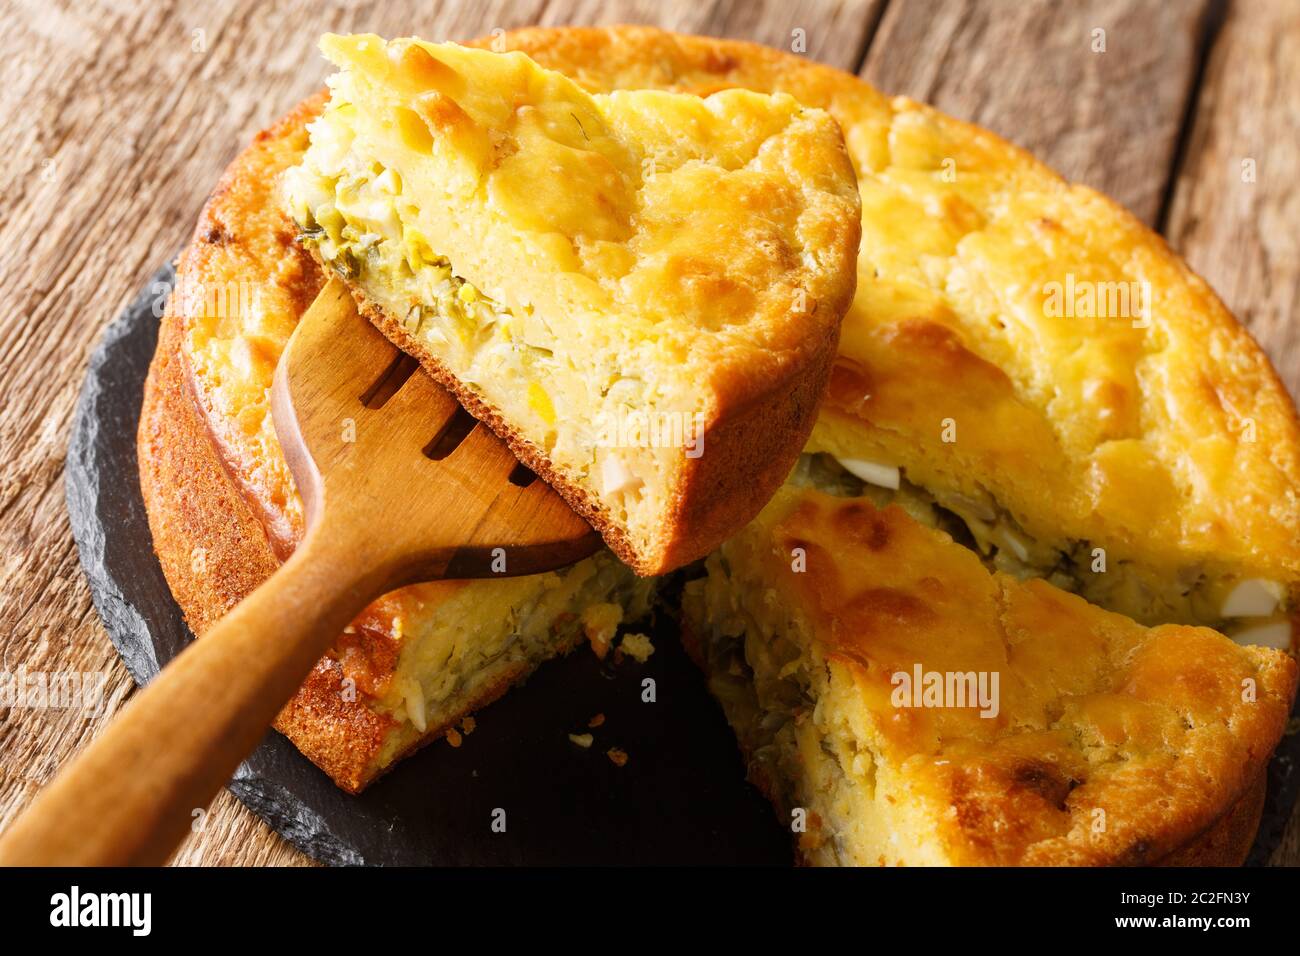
[{"x": 640, "y": 292}]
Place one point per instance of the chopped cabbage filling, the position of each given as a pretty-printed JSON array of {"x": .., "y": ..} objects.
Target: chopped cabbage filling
[{"x": 1252, "y": 610}]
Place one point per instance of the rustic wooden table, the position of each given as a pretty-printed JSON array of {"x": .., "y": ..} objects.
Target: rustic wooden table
[{"x": 120, "y": 115}]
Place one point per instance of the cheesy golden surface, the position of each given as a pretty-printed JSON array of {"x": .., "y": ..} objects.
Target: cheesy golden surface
[
  {"x": 578, "y": 261},
  {"x": 923, "y": 710}
]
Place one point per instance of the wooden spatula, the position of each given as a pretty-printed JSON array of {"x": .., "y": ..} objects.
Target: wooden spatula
[{"x": 381, "y": 512}]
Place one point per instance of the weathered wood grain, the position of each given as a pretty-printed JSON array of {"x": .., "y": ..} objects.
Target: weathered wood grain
[
  {"x": 1235, "y": 203},
  {"x": 831, "y": 31},
  {"x": 1236, "y": 206},
  {"x": 1033, "y": 72}
]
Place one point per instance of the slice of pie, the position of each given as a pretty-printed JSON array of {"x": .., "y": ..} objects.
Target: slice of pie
[
  {"x": 901, "y": 704},
  {"x": 641, "y": 291}
]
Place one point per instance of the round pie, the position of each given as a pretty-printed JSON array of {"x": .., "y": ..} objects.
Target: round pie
[{"x": 1024, "y": 363}]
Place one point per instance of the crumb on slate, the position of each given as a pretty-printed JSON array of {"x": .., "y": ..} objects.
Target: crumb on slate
[{"x": 637, "y": 646}]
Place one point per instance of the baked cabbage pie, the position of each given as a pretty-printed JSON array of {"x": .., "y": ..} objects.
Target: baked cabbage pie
[
  {"x": 1010, "y": 402},
  {"x": 640, "y": 291}
]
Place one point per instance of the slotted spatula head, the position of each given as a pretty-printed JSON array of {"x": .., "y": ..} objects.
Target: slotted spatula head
[{"x": 371, "y": 438}]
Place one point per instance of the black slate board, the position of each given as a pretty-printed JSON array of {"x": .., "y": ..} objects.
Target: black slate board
[{"x": 680, "y": 799}]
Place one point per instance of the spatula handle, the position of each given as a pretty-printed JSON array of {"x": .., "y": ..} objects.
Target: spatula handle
[{"x": 133, "y": 793}]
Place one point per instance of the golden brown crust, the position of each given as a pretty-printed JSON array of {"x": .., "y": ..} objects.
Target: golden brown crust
[
  {"x": 872, "y": 349},
  {"x": 1155, "y": 727},
  {"x": 1228, "y": 841},
  {"x": 748, "y": 454},
  {"x": 242, "y": 269}
]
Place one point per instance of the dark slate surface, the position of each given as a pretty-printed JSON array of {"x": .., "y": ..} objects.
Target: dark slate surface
[{"x": 680, "y": 799}]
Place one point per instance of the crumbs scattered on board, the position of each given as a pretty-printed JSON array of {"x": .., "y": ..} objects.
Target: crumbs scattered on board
[{"x": 617, "y": 755}]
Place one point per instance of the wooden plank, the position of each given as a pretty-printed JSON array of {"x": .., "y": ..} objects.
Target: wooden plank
[
  {"x": 830, "y": 31},
  {"x": 119, "y": 118},
  {"x": 1032, "y": 72},
  {"x": 1235, "y": 205}
]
